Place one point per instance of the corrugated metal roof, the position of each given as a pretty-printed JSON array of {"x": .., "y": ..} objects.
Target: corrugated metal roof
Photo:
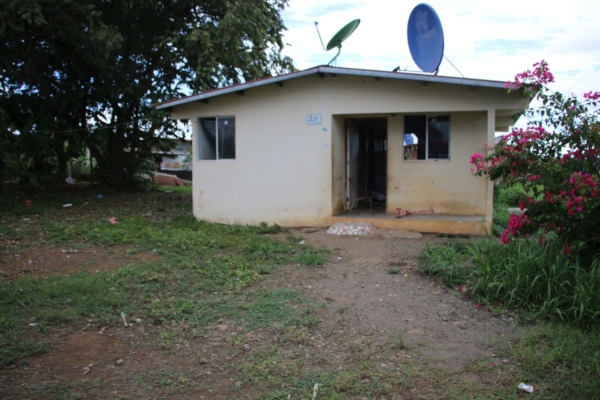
[{"x": 331, "y": 71}]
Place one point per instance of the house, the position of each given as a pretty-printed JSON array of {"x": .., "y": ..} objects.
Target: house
[
  {"x": 176, "y": 161},
  {"x": 285, "y": 149}
]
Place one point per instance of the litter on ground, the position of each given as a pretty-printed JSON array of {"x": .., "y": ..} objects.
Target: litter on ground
[{"x": 357, "y": 228}]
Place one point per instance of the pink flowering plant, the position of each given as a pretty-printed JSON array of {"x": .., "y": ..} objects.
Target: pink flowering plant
[{"x": 557, "y": 161}]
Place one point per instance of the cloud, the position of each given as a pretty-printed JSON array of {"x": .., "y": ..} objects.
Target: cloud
[
  {"x": 482, "y": 40},
  {"x": 322, "y": 9},
  {"x": 506, "y": 46}
]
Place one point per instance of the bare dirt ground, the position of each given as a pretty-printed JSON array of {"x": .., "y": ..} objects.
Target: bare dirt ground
[
  {"x": 373, "y": 288},
  {"x": 370, "y": 288}
]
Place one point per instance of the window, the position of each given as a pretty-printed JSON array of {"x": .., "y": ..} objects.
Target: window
[
  {"x": 426, "y": 137},
  {"x": 216, "y": 138}
]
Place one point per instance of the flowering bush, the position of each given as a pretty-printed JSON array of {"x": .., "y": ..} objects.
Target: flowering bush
[{"x": 556, "y": 160}]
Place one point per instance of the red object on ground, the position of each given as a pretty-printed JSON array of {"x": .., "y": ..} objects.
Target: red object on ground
[
  {"x": 403, "y": 213},
  {"x": 27, "y": 203}
]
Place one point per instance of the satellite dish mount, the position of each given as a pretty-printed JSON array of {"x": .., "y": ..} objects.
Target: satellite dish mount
[{"x": 339, "y": 37}]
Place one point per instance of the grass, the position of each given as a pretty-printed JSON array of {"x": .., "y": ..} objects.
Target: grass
[
  {"x": 538, "y": 279},
  {"x": 561, "y": 356},
  {"x": 563, "y": 362},
  {"x": 448, "y": 263},
  {"x": 522, "y": 275},
  {"x": 208, "y": 275},
  {"x": 313, "y": 257},
  {"x": 176, "y": 189},
  {"x": 197, "y": 259}
]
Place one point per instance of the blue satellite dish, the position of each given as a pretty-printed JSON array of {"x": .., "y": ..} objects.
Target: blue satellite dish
[{"x": 425, "y": 38}]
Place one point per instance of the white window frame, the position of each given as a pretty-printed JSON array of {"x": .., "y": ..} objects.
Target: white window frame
[{"x": 206, "y": 151}]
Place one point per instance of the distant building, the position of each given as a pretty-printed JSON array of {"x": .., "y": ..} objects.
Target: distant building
[{"x": 177, "y": 161}]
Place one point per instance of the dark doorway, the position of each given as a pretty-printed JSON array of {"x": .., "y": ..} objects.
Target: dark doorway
[{"x": 366, "y": 159}]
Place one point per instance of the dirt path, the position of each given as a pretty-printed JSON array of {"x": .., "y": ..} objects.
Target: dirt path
[{"x": 373, "y": 288}]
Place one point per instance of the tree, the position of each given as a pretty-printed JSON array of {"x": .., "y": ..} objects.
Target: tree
[
  {"x": 86, "y": 72},
  {"x": 557, "y": 160}
]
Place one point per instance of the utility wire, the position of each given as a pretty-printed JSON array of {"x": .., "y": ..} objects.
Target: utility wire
[{"x": 91, "y": 128}]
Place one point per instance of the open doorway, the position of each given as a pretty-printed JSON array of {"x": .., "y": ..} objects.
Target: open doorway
[{"x": 366, "y": 163}]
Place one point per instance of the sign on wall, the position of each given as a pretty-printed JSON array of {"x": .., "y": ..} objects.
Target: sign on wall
[{"x": 313, "y": 119}]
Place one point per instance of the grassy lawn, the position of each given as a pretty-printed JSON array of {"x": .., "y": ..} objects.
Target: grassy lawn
[
  {"x": 214, "y": 317},
  {"x": 561, "y": 352}
]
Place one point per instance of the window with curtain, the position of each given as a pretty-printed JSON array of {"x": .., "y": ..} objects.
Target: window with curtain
[{"x": 216, "y": 138}]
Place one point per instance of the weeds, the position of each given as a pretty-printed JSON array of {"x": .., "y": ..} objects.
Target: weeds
[
  {"x": 208, "y": 274},
  {"x": 313, "y": 257},
  {"x": 539, "y": 279},
  {"x": 447, "y": 262},
  {"x": 197, "y": 260},
  {"x": 397, "y": 342},
  {"x": 523, "y": 275},
  {"x": 563, "y": 361}
]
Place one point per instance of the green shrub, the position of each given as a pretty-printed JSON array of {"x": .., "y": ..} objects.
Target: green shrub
[
  {"x": 500, "y": 219},
  {"x": 523, "y": 275},
  {"x": 555, "y": 160},
  {"x": 313, "y": 257},
  {"x": 540, "y": 279},
  {"x": 446, "y": 262},
  {"x": 508, "y": 195}
]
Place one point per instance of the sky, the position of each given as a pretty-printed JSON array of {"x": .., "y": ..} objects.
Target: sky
[{"x": 483, "y": 40}]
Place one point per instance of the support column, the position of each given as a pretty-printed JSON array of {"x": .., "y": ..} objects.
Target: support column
[{"x": 489, "y": 207}]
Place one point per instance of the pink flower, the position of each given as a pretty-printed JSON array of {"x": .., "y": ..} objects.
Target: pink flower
[
  {"x": 113, "y": 220},
  {"x": 517, "y": 222},
  {"x": 591, "y": 95},
  {"x": 478, "y": 305},
  {"x": 476, "y": 158},
  {"x": 504, "y": 236}
]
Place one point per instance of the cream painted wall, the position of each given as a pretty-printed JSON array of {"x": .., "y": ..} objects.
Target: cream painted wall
[
  {"x": 447, "y": 185},
  {"x": 282, "y": 171},
  {"x": 293, "y": 174}
]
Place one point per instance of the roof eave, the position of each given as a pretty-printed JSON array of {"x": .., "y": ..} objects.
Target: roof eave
[{"x": 321, "y": 70}]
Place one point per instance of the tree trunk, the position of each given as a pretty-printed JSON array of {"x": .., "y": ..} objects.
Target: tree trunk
[{"x": 115, "y": 152}]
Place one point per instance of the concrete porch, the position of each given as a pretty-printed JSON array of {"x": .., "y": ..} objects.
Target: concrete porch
[{"x": 424, "y": 223}]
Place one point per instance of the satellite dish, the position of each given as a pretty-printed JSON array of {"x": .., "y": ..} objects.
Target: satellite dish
[
  {"x": 339, "y": 37},
  {"x": 425, "y": 38}
]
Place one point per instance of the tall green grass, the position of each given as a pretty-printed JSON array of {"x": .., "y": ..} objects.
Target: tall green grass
[
  {"x": 540, "y": 279},
  {"x": 448, "y": 263},
  {"x": 522, "y": 275}
]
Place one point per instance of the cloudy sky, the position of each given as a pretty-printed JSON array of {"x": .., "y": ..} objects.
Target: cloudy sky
[{"x": 486, "y": 40}]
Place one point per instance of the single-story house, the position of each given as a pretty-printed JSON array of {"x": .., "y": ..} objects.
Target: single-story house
[
  {"x": 177, "y": 161},
  {"x": 178, "y": 158},
  {"x": 297, "y": 149}
]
